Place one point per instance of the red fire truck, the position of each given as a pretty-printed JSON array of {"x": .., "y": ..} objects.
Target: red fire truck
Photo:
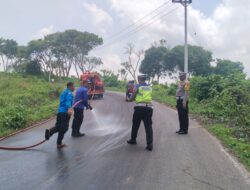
[{"x": 96, "y": 84}]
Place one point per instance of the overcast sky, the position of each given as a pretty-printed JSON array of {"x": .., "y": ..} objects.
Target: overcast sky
[{"x": 221, "y": 26}]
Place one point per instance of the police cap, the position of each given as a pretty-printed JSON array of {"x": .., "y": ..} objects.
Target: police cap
[{"x": 182, "y": 74}]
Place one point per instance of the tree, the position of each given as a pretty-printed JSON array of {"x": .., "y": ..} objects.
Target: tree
[
  {"x": 123, "y": 74},
  {"x": 41, "y": 50},
  {"x": 106, "y": 73},
  {"x": 110, "y": 78},
  {"x": 227, "y": 67},
  {"x": 60, "y": 51},
  {"x": 33, "y": 68},
  {"x": 71, "y": 48},
  {"x": 8, "y": 53},
  {"x": 134, "y": 58},
  {"x": 19, "y": 65},
  {"x": 199, "y": 60},
  {"x": 152, "y": 64},
  {"x": 89, "y": 63}
]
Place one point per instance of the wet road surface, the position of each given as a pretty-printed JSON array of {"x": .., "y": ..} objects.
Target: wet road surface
[{"x": 103, "y": 161}]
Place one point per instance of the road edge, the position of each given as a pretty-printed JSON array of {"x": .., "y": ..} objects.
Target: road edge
[{"x": 27, "y": 128}]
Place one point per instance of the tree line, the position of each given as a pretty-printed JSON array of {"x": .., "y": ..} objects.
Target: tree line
[
  {"x": 160, "y": 61},
  {"x": 62, "y": 52},
  {"x": 55, "y": 54}
]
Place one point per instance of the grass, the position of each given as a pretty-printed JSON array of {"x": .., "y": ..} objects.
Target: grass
[
  {"x": 25, "y": 100},
  {"x": 116, "y": 89},
  {"x": 239, "y": 147}
]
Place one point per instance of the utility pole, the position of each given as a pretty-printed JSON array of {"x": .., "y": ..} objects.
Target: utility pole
[{"x": 185, "y": 3}]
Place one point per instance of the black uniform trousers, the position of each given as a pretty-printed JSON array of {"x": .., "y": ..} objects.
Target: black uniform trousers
[
  {"x": 183, "y": 115},
  {"x": 61, "y": 126},
  {"x": 143, "y": 113},
  {"x": 77, "y": 122}
]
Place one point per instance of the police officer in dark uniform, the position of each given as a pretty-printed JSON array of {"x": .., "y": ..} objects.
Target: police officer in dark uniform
[
  {"x": 182, "y": 95},
  {"x": 143, "y": 111}
]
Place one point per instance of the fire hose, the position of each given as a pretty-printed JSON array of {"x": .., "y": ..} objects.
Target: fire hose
[
  {"x": 41, "y": 142},
  {"x": 23, "y": 148}
]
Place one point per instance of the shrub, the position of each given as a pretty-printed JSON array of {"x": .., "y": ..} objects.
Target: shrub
[
  {"x": 111, "y": 81},
  {"x": 172, "y": 90},
  {"x": 13, "y": 117},
  {"x": 226, "y": 99}
]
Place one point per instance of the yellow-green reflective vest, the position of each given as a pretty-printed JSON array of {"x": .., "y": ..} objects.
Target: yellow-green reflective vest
[{"x": 144, "y": 95}]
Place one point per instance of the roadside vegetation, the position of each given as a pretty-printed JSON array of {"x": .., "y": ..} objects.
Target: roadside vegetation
[
  {"x": 29, "y": 90},
  {"x": 25, "y": 100}
]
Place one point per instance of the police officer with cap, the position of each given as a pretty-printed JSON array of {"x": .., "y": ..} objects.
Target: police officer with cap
[
  {"x": 143, "y": 111},
  {"x": 182, "y": 95}
]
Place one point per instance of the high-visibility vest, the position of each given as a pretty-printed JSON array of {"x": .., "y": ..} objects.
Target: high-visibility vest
[{"x": 144, "y": 95}]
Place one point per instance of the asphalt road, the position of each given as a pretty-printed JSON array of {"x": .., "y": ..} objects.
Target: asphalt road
[{"x": 103, "y": 161}]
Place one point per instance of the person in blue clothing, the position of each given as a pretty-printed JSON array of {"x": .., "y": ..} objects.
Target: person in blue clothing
[
  {"x": 80, "y": 102},
  {"x": 65, "y": 110}
]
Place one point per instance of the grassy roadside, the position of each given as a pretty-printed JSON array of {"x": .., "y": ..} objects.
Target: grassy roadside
[
  {"x": 115, "y": 89},
  {"x": 238, "y": 146},
  {"x": 25, "y": 100}
]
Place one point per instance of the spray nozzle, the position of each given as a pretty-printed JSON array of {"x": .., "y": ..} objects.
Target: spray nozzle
[{"x": 89, "y": 107}]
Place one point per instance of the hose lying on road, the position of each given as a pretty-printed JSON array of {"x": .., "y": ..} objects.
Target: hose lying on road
[{"x": 23, "y": 148}]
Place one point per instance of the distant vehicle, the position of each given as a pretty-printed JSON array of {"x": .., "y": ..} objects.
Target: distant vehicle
[
  {"x": 130, "y": 89},
  {"x": 96, "y": 89}
]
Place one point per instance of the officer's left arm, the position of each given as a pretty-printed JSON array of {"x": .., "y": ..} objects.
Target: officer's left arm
[{"x": 186, "y": 96}]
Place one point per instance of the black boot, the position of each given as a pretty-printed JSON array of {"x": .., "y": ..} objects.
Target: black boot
[
  {"x": 81, "y": 134},
  {"x": 132, "y": 142},
  {"x": 178, "y": 131},
  {"x": 183, "y": 133},
  {"x": 77, "y": 134},
  {"x": 47, "y": 134},
  {"x": 149, "y": 147}
]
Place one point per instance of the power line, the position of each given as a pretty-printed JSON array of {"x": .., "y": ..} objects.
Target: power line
[
  {"x": 156, "y": 15},
  {"x": 142, "y": 26},
  {"x": 137, "y": 21},
  {"x": 149, "y": 22},
  {"x": 139, "y": 28}
]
